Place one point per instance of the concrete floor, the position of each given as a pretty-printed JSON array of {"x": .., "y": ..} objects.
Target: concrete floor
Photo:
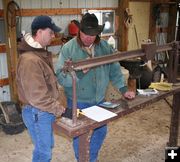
[{"x": 137, "y": 137}]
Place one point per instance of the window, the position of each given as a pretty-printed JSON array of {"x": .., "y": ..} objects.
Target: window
[{"x": 106, "y": 17}]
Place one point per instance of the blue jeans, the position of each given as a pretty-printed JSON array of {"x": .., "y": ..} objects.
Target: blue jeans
[
  {"x": 39, "y": 125},
  {"x": 97, "y": 137}
]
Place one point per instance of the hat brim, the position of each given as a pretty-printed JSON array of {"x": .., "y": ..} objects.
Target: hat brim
[
  {"x": 90, "y": 31},
  {"x": 55, "y": 28}
]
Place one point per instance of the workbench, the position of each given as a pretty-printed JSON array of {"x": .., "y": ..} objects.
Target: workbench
[{"x": 84, "y": 125}]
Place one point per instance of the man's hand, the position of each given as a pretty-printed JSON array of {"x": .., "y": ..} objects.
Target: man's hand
[
  {"x": 85, "y": 70},
  {"x": 129, "y": 95},
  {"x": 60, "y": 111}
]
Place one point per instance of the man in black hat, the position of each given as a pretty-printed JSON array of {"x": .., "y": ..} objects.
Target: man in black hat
[
  {"x": 91, "y": 83},
  {"x": 37, "y": 87}
]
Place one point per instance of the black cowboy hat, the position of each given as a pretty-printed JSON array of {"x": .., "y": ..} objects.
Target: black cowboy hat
[{"x": 89, "y": 25}]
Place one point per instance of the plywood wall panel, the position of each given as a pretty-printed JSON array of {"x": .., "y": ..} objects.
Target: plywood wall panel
[{"x": 139, "y": 23}]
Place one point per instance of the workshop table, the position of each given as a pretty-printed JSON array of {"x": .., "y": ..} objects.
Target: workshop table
[{"x": 84, "y": 125}]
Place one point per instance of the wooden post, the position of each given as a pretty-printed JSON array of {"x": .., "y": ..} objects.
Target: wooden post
[
  {"x": 11, "y": 51},
  {"x": 152, "y": 23},
  {"x": 172, "y": 22},
  {"x": 123, "y": 31},
  {"x": 175, "y": 118}
]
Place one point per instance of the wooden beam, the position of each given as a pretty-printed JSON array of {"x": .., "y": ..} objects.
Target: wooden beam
[
  {"x": 152, "y": 23},
  {"x": 4, "y": 82},
  {"x": 11, "y": 51},
  {"x": 172, "y": 22},
  {"x": 54, "y": 11},
  {"x": 50, "y": 12},
  {"x": 123, "y": 30}
]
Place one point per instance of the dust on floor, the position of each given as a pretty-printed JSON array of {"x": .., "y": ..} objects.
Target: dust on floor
[{"x": 138, "y": 137}]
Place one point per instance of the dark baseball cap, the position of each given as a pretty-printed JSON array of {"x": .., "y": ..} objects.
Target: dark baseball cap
[{"x": 42, "y": 22}]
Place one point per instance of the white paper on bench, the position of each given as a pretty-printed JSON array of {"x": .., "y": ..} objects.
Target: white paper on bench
[{"x": 98, "y": 113}]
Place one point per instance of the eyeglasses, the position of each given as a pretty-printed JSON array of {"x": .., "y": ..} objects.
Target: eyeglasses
[{"x": 51, "y": 32}]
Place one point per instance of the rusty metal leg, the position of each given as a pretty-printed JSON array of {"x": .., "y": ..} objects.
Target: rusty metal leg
[
  {"x": 175, "y": 121},
  {"x": 170, "y": 67},
  {"x": 84, "y": 141}
]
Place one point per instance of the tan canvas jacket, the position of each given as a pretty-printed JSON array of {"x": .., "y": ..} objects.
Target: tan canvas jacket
[{"x": 36, "y": 81}]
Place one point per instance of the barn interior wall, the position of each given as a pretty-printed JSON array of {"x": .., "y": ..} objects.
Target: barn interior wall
[
  {"x": 140, "y": 23},
  {"x": 60, "y": 20}
]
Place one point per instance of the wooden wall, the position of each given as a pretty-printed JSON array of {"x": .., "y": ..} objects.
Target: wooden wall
[
  {"x": 61, "y": 20},
  {"x": 61, "y": 11},
  {"x": 140, "y": 24}
]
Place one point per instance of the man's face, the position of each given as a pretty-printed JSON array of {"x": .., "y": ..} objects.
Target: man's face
[
  {"x": 45, "y": 36},
  {"x": 87, "y": 39}
]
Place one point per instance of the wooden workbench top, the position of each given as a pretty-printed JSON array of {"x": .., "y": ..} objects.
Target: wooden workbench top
[{"x": 84, "y": 124}]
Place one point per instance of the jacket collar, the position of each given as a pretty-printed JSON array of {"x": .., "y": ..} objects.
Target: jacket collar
[{"x": 29, "y": 45}]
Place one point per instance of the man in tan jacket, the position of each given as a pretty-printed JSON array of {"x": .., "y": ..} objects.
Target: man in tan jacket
[{"x": 38, "y": 88}]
